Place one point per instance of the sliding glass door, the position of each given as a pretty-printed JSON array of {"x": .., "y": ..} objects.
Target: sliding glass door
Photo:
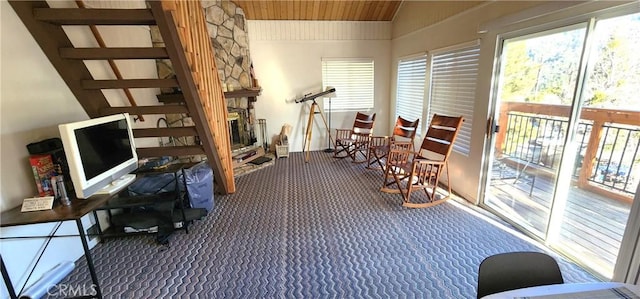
[{"x": 566, "y": 158}]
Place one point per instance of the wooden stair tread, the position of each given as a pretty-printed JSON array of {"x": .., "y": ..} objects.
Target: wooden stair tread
[
  {"x": 137, "y": 110},
  {"x": 130, "y": 83},
  {"x": 148, "y": 152},
  {"x": 165, "y": 132},
  {"x": 242, "y": 93},
  {"x": 97, "y": 16},
  {"x": 113, "y": 53},
  {"x": 172, "y": 18}
]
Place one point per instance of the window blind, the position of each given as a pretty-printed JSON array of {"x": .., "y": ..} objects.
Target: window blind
[
  {"x": 410, "y": 88},
  {"x": 453, "y": 89},
  {"x": 353, "y": 81}
]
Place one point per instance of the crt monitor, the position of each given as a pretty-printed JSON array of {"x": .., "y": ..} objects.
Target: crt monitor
[{"x": 100, "y": 153}]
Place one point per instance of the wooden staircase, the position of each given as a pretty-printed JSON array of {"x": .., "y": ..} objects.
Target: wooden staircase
[{"x": 182, "y": 27}]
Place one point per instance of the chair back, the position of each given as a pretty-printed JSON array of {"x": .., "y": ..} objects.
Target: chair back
[
  {"x": 405, "y": 130},
  {"x": 363, "y": 123},
  {"x": 515, "y": 270},
  {"x": 441, "y": 134}
]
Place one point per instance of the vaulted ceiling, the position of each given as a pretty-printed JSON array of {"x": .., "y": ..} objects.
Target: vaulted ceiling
[
  {"x": 325, "y": 10},
  {"x": 414, "y": 14}
]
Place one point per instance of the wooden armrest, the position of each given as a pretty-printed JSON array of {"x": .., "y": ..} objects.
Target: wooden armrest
[
  {"x": 379, "y": 141},
  {"x": 423, "y": 160},
  {"x": 402, "y": 143},
  {"x": 343, "y": 133},
  {"x": 402, "y": 147},
  {"x": 361, "y": 138}
]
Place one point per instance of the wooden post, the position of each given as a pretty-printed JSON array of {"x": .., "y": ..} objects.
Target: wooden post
[
  {"x": 502, "y": 132},
  {"x": 590, "y": 154}
]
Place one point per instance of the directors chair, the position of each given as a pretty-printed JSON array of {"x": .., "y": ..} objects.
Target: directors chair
[
  {"x": 421, "y": 170},
  {"x": 404, "y": 131},
  {"x": 355, "y": 140}
]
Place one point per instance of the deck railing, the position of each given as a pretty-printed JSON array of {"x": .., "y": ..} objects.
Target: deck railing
[{"x": 608, "y": 158}]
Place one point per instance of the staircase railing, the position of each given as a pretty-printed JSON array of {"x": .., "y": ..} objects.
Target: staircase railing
[{"x": 190, "y": 23}]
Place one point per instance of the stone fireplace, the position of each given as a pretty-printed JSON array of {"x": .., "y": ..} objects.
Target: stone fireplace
[
  {"x": 238, "y": 131},
  {"x": 227, "y": 28}
]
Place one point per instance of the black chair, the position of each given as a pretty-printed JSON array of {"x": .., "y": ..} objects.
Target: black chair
[{"x": 515, "y": 270}]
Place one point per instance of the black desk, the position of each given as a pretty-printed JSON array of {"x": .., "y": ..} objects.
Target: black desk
[
  {"x": 78, "y": 209},
  {"x": 75, "y": 211}
]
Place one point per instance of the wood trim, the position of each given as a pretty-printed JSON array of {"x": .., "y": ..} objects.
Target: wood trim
[
  {"x": 215, "y": 142},
  {"x": 51, "y": 38},
  {"x": 595, "y": 114},
  {"x": 149, "y": 152},
  {"x": 243, "y": 93},
  {"x": 79, "y": 16},
  {"x": 165, "y": 132},
  {"x": 160, "y": 109},
  {"x": 130, "y": 83},
  {"x": 113, "y": 53},
  {"x": 609, "y": 194}
]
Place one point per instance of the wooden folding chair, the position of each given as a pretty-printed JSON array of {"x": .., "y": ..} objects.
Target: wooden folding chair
[
  {"x": 355, "y": 140},
  {"x": 412, "y": 171},
  {"x": 404, "y": 131}
]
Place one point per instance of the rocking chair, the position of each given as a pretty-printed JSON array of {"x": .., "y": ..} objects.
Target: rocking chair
[
  {"x": 422, "y": 169},
  {"x": 404, "y": 131},
  {"x": 355, "y": 140}
]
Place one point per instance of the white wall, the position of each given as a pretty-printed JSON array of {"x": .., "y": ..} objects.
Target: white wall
[
  {"x": 33, "y": 101},
  {"x": 287, "y": 60},
  {"x": 493, "y": 19}
]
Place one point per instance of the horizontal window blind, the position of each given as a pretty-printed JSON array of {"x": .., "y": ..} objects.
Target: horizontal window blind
[
  {"x": 410, "y": 88},
  {"x": 353, "y": 81},
  {"x": 454, "y": 74}
]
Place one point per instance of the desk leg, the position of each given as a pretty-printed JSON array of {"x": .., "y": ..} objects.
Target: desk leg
[
  {"x": 7, "y": 280},
  {"x": 87, "y": 255}
]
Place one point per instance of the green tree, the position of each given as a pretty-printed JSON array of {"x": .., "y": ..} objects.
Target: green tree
[{"x": 519, "y": 73}]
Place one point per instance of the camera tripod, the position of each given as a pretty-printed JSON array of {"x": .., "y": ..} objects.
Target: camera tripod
[{"x": 307, "y": 140}]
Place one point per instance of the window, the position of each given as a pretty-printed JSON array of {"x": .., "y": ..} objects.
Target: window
[
  {"x": 410, "y": 87},
  {"x": 453, "y": 88},
  {"x": 353, "y": 81}
]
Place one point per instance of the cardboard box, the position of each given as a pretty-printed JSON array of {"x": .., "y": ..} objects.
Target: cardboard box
[{"x": 43, "y": 170}]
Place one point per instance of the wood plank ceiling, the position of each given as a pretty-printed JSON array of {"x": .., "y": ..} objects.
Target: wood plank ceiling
[{"x": 320, "y": 10}]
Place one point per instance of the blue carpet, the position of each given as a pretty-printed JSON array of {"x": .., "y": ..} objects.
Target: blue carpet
[{"x": 311, "y": 230}]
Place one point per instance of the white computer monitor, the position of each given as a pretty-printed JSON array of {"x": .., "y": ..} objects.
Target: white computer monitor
[{"x": 101, "y": 153}]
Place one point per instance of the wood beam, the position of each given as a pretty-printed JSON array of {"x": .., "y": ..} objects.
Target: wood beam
[
  {"x": 51, "y": 38},
  {"x": 130, "y": 83},
  {"x": 160, "y": 109},
  {"x": 113, "y": 53},
  {"x": 165, "y": 132},
  {"x": 79, "y": 16},
  {"x": 149, "y": 152}
]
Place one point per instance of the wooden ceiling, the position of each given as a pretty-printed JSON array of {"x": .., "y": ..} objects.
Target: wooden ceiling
[{"x": 319, "y": 10}]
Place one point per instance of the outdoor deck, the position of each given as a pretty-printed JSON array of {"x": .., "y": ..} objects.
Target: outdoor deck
[{"x": 593, "y": 224}]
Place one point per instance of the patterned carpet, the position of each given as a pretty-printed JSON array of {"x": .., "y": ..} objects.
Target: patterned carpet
[{"x": 310, "y": 230}]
